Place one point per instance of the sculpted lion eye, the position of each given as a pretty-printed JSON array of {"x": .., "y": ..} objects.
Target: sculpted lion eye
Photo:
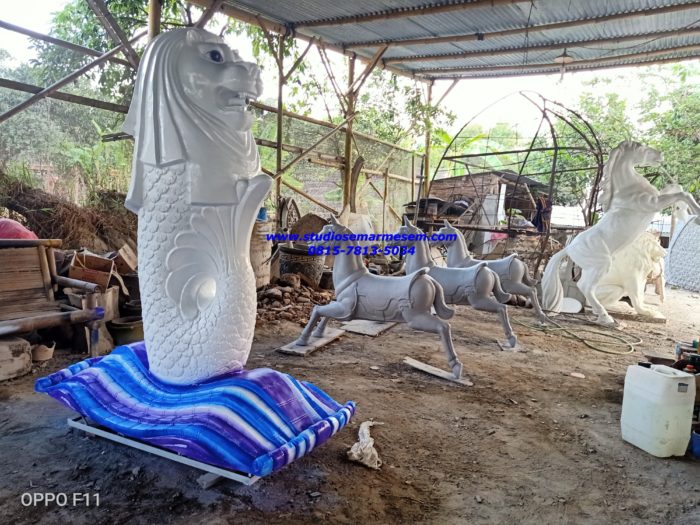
[{"x": 215, "y": 56}]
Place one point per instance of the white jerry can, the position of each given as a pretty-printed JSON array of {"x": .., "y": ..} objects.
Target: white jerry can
[
  {"x": 15, "y": 357},
  {"x": 657, "y": 409}
]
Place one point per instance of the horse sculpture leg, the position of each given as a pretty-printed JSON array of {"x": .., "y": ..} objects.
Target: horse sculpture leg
[
  {"x": 520, "y": 288},
  {"x": 430, "y": 323},
  {"x": 590, "y": 277},
  {"x": 482, "y": 299},
  {"x": 335, "y": 310},
  {"x": 418, "y": 317}
]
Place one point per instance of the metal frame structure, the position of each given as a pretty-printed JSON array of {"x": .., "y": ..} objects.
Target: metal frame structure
[{"x": 426, "y": 41}]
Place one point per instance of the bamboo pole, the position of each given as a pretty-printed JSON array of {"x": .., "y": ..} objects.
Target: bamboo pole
[
  {"x": 350, "y": 109},
  {"x": 29, "y": 324},
  {"x": 428, "y": 133},
  {"x": 66, "y": 97},
  {"x": 113, "y": 29},
  {"x": 64, "y": 81},
  {"x": 280, "y": 113},
  {"x": 154, "y": 15},
  {"x": 57, "y": 41}
]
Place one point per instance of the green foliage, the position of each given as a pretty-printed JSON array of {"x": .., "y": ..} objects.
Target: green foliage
[{"x": 672, "y": 120}]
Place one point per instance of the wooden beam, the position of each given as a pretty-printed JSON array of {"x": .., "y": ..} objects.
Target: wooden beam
[
  {"x": 67, "y": 97},
  {"x": 447, "y": 92},
  {"x": 154, "y": 15},
  {"x": 274, "y": 27},
  {"x": 115, "y": 32},
  {"x": 428, "y": 133},
  {"x": 350, "y": 108},
  {"x": 310, "y": 149},
  {"x": 359, "y": 82},
  {"x": 570, "y": 69},
  {"x": 64, "y": 81},
  {"x": 571, "y": 66},
  {"x": 546, "y": 47},
  {"x": 526, "y": 30},
  {"x": 299, "y": 60},
  {"x": 209, "y": 12},
  {"x": 57, "y": 41},
  {"x": 405, "y": 12}
]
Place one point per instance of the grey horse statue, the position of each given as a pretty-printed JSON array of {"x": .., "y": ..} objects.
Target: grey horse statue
[
  {"x": 477, "y": 286},
  {"x": 362, "y": 295},
  {"x": 514, "y": 274}
]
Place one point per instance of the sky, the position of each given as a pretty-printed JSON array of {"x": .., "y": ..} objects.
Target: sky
[{"x": 466, "y": 99}]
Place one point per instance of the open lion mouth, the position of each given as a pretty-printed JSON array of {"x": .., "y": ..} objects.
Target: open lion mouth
[{"x": 229, "y": 99}]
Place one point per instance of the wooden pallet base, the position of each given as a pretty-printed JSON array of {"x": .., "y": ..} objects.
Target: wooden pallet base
[
  {"x": 432, "y": 370},
  {"x": 363, "y": 327},
  {"x": 211, "y": 470},
  {"x": 315, "y": 343}
]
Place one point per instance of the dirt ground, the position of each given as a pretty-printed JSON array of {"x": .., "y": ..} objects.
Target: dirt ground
[{"x": 528, "y": 443}]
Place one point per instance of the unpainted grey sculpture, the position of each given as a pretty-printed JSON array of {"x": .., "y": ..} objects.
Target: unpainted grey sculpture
[
  {"x": 196, "y": 189},
  {"x": 513, "y": 273},
  {"x": 629, "y": 204},
  {"x": 477, "y": 286},
  {"x": 362, "y": 295}
]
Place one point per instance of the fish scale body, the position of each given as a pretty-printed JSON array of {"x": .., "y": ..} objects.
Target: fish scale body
[{"x": 218, "y": 338}]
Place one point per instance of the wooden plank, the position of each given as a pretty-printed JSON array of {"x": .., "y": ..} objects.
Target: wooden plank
[
  {"x": 243, "y": 478},
  {"x": 364, "y": 327},
  {"x": 22, "y": 295},
  {"x": 45, "y": 274},
  {"x": 22, "y": 282},
  {"x": 314, "y": 343},
  {"x": 19, "y": 243},
  {"x": 432, "y": 370}
]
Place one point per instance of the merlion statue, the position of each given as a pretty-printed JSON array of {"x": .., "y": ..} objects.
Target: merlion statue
[{"x": 196, "y": 189}]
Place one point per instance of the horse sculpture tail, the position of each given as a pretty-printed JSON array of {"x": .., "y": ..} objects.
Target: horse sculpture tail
[
  {"x": 441, "y": 309},
  {"x": 552, "y": 290}
]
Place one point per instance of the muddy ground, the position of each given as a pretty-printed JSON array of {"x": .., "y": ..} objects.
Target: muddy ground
[{"x": 528, "y": 443}]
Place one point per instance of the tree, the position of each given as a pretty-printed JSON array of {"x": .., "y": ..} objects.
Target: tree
[{"x": 672, "y": 117}]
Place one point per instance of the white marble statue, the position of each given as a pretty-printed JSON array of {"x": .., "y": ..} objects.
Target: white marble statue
[
  {"x": 628, "y": 274},
  {"x": 362, "y": 295},
  {"x": 629, "y": 203},
  {"x": 513, "y": 273},
  {"x": 477, "y": 286},
  {"x": 196, "y": 189}
]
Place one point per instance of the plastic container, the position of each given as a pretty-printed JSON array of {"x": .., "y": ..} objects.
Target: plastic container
[
  {"x": 657, "y": 409},
  {"x": 126, "y": 330}
]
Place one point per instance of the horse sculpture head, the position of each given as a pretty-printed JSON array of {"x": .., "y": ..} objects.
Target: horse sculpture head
[
  {"x": 619, "y": 169},
  {"x": 332, "y": 234},
  {"x": 189, "y": 106},
  {"x": 447, "y": 235}
]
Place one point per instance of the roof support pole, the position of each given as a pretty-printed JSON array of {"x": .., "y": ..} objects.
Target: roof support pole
[
  {"x": 64, "y": 81},
  {"x": 115, "y": 32},
  {"x": 280, "y": 113},
  {"x": 154, "y": 13},
  {"x": 57, "y": 41},
  {"x": 428, "y": 133},
  {"x": 350, "y": 97}
]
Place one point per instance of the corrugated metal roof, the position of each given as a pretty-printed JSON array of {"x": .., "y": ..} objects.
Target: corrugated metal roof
[{"x": 595, "y": 33}]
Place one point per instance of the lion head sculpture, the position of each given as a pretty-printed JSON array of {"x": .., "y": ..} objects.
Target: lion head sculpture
[{"x": 190, "y": 106}]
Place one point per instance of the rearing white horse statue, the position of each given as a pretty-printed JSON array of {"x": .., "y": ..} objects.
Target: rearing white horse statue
[{"x": 629, "y": 203}]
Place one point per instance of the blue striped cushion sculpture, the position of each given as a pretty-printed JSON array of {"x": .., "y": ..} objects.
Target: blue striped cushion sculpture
[{"x": 251, "y": 421}]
